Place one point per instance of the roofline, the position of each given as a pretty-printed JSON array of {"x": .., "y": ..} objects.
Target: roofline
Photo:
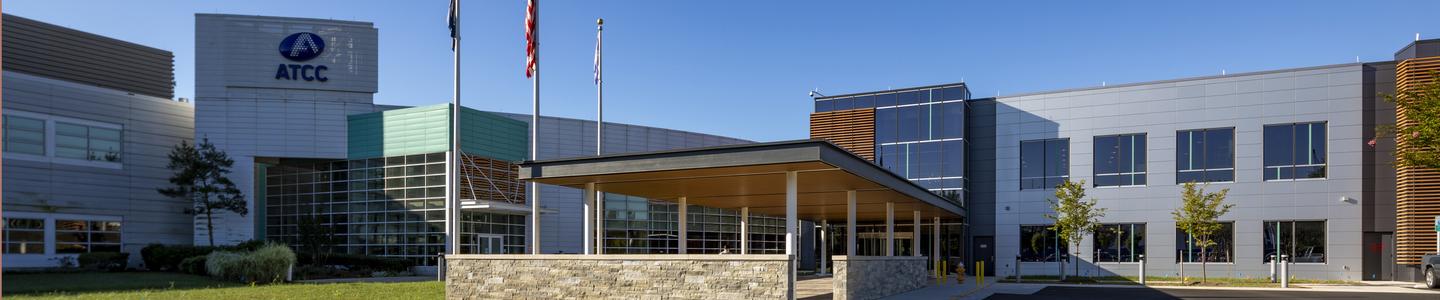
[
  {"x": 138, "y": 46},
  {"x": 910, "y": 185},
  {"x": 283, "y": 18},
  {"x": 962, "y": 83},
  {"x": 1186, "y": 79},
  {"x": 1414, "y": 44}
]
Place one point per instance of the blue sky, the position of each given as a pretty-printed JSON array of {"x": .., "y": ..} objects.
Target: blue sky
[{"x": 742, "y": 68}]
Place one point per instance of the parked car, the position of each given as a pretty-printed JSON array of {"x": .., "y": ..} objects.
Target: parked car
[{"x": 1431, "y": 264}]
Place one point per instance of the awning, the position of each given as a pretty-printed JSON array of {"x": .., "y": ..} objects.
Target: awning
[{"x": 754, "y": 176}]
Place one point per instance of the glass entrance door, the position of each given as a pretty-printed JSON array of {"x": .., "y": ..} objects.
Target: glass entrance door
[{"x": 488, "y": 244}]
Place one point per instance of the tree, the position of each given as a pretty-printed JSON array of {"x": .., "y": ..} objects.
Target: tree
[
  {"x": 1419, "y": 129},
  {"x": 1074, "y": 216},
  {"x": 1199, "y": 217},
  {"x": 200, "y": 178},
  {"x": 315, "y": 239}
]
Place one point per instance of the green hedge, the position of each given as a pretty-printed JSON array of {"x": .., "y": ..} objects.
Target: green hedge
[
  {"x": 361, "y": 262},
  {"x": 108, "y": 261},
  {"x": 159, "y": 257},
  {"x": 267, "y": 264},
  {"x": 194, "y": 265}
]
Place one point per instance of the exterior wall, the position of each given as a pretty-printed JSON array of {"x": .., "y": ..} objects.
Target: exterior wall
[
  {"x": 425, "y": 129},
  {"x": 242, "y": 107},
  {"x": 46, "y": 186},
  {"x": 1246, "y": 102},
  {"x": 617, "y": 277},
  {"x": 52, "y": 51},
  {"x": 564, "y": 138},
  {"x": 875, "y": 277}
]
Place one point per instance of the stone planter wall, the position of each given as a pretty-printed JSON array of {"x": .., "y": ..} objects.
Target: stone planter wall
[
  {"x": 874, "y": 277},
  {"x": 631, "y": 277}
]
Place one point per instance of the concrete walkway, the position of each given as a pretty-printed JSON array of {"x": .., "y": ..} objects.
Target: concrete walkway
[
  {"x": 948, "y": 289},
  {"x": 1032, "y": 288}
]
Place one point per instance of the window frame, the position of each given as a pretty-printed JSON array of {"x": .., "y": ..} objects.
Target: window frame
[
  {"x": 51, "y": 123},
  {"x": 1264, "y": 167},
  {"x": 44, "y": 138},
  {"x": 1045, "y": 163},
  {"x": 1095, "y": 157},
  {"x": 1232, "y": 168},
  {"x": 1143, "y": 245},
  {"x": 1232, "y": 256},
  {"x": 1061, "y": 249},
  {"x": 5, "y": 244},
  {"x": 1325, "y": 240}
]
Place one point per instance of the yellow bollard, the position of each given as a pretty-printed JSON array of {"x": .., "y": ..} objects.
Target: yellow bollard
[{"x": 980, "y": 273}]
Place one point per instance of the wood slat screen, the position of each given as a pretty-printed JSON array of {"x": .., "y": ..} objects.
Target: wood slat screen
[
  {"x": 490, "y": 179},
  {"x": 852, "y": 130},
  {"x": 1417, "y": 189}
]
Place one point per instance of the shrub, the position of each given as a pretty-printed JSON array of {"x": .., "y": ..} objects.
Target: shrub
[
  {"x": 108, "y": 261},
  {"x": 194, "y": 265},
  {"x": 362, "y": 262},
  {"x": 159, "y": 257},
  {"x": 267, "y": 264}
]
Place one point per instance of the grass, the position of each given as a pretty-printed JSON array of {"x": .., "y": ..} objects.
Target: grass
[
  {"x": 1162, "y": 280},
  {"x": 154, "y": 285}
]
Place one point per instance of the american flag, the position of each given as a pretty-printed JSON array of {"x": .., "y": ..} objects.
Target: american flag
[
  {"x": 454, "y": 19},
  {"x": 532, "y": 38},
  {"x": 598, "y": 28}
]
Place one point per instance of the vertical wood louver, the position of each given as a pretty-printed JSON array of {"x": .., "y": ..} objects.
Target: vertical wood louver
[
  {"x": 1417, "y": 189},
  {"x": 852, "y": 130}
]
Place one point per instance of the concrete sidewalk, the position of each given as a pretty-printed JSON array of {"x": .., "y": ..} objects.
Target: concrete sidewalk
[
  {"x": 947, "y": 289},
  {"x": 1032, "y": 288}
]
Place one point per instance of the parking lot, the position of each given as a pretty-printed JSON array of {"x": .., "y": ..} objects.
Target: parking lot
[{"x": 1188, "y": 293}]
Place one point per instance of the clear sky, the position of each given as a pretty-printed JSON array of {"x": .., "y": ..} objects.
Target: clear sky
[{"x": 742, "y": 68}]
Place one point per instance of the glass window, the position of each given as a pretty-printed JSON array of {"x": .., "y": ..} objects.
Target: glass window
[
  {"x": 892, "y": 157},
  {"x": 1295, "y": 151},
  {"x": 885, "y": 121},
  {"x": 24, "y": 135},
  {"x": 1044, "y": 164},
  {"x": 81, "y": 236},
  {"x": 926, "y": 161},
  {"x": 909, "y": 123},
  {"x": 1120, "y": 160},
  {"x": 1222, "y": 251},
  {"x": 1039, "y": 243},
  {"x": 907, "y": 98},
  {"x": 954, "y": 93},
  {"x": 1303, "y": 241},
  {"x": 884, "y": 100},
  {"x": 86, "y": 142},
  {"x": 24, "y": 236},
  {"x": 953, "y": 163},
  {"x": 1119, "y": 242},
  {"x": 863, "y": 102},
  {"x": 1205, "y": 155},
  {"x": 953, "y": 114}
]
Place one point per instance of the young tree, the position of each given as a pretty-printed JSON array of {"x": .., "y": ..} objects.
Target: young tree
[
  {"x": 1074, "y": 216},
  {"x": 200, "y": 178},
  {"x": 1199, "y": 216},
  {"x": 1419, "y": 128}
]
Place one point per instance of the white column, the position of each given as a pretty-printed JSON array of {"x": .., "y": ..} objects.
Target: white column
[
  {"x": 792, "y": 206},
  {"x": 599, "y": 222},
  {"x": 915, "y": 234},
  {"x": 850, "y": 224},
  {"x": 745, "y": 230},
  {"x": 889, "y": 228},
  {"x": 684, "y": 225},
  {"x": 534, "y": 218},
  {"x": 588, "y": 234},
  {"x": 935, "y": 244},
  {"x": 824, "y": 246}
]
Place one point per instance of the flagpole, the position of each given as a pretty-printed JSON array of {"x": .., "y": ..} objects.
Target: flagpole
[
  {"x": 534, "y": 129},
  {"x": 598, "y": 237},
  {"x": 452, "y": 242}
]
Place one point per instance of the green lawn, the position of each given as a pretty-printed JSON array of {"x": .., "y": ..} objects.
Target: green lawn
[{"x": 152, "y": 285}]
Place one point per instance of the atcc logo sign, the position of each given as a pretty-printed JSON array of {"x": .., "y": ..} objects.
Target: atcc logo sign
[{"x": 301, "y": 47}]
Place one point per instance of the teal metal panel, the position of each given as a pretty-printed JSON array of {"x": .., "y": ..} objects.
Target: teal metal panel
[{"x": 425, "y": 129}]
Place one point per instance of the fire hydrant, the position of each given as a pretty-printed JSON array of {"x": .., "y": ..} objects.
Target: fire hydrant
[{"x": 960, "y": 273}]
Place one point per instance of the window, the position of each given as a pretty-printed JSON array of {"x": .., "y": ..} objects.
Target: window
[
  {"x": 1205, "y": 155},
  {"x": 1222, "y": 251},
  {"x": 1119, "y": 242},
  {"x": 87, "y": 142},
  {"x": 953, "y": 114},
  {"x": 24, "y": 236},
  {"x": 24, "y": 135},
  {"x": 1295, "y": 151},
  {"x": 1040, "y": 243},
  {"x": 1044, "y": 164},
  {"x": 81, "y": 236},
  {"x": 1120, "y": 160},
  {"x": 1303, "y": 241}
]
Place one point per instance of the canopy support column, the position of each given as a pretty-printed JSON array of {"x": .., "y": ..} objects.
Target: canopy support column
[
  {"x": 850, "y": 223},
  {"x": 935, "y": 246},
  {"x": 824, "y": 247},
  {"x": 599, "y": 234},
  {"x": 589, "y": 224},
  {"x": 684, "y": 229},
  {"x": 915, "y": 234},
  {"x": 792, "y": 228},
  {"x": 745, "y": 230},
  {"x": 889, "y": 228}
]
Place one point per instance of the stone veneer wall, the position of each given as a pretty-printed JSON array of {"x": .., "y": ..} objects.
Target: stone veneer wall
[
  {"x": 874, "y": 277},
  {"x": 566, "y": 276}
]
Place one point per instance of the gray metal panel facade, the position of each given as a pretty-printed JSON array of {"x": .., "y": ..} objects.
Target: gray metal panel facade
[
  {"x": 564, "y": 138},
  {"x": 48, "y": 50},
  {"x": 242, "y": 108},
  {"x": 1246, "y": 102},
  {"x": 151, "y": 126},
  {"x": 980, "y": 166}
]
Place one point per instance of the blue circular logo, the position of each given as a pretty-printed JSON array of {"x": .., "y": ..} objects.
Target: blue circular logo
[{"x": 302, "y": 46}]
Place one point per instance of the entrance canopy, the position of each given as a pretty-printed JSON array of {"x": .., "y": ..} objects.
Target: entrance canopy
[{"x": 753, "y": 176}]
